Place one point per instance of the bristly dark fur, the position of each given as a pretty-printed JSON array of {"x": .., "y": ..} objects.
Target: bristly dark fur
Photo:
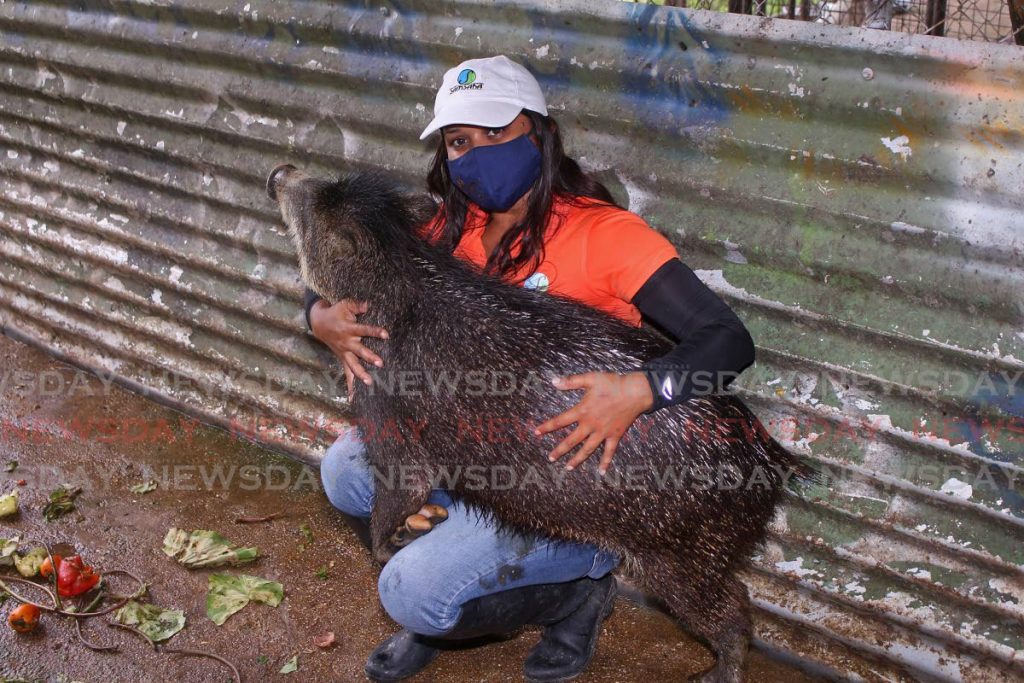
[{"x": 683, "y": 540}]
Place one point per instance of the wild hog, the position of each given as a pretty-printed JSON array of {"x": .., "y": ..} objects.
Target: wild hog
[{"x": 692, "y": 487}]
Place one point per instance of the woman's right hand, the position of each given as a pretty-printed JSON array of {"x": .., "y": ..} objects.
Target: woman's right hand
[{"x": 336, "y": 327}]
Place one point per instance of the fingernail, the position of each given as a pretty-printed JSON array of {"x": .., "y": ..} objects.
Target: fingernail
[
  {"x": 569, "y": 468},
  {"x": 536, "y": 432},
  {"x": 602, "y": 472},
  {"x": 379, "y": 363},
  {"x": 552, "y": 458},
  {"x": 383, "y": 335}
]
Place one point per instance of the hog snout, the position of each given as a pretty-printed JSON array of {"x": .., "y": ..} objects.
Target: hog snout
[{"x": 276, "y": 177}]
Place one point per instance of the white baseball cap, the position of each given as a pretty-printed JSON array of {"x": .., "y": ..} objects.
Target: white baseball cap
[{"x": 485, "y": 92}]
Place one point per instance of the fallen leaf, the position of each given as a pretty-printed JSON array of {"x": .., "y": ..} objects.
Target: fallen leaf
[
  {"x": 227, "y": 594},
  {"x": 157, "y": 623},
  {"x": 324, "y": 640},
  {"x": 28, "y": 564},
  {"x": 62, "y": 501},
  {"x": 9, "y": 504},
  {"x": 144, "y": 487},
  {"x": 11, "y": 466},
  {"x": 290, "y": 666},
  {"x": 203, "y": 548}
]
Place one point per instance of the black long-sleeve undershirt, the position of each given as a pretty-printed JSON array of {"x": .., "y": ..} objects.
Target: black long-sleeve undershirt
[
  {"x": 311, "y": 298},
  {"x": 713, "y": 345}
]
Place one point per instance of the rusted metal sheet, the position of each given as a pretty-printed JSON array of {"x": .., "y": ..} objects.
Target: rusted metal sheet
[{"x": 856, "y": 195}]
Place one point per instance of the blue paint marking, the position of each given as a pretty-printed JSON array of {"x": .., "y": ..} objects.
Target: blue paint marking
[
  {"x": 674, "y": 98},
  {"x": 659, "y": 84},
  {"x": 1008, "y": 398},
  {"x": 671, "y": 97}
]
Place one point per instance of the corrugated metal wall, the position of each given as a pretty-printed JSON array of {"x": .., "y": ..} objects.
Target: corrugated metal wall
[{"x": 855, "y": 195}]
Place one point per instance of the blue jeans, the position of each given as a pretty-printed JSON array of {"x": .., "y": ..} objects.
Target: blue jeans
[{"x": 425, "y": 584}]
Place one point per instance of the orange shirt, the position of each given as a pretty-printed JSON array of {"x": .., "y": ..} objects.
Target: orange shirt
[{"x": 598, "y": 255}]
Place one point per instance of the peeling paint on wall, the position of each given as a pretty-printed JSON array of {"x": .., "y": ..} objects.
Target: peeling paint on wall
[{"x": 855, "y": 195}]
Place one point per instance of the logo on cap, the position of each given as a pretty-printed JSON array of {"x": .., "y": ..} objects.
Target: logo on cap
[{"x": 466, "y": 81}]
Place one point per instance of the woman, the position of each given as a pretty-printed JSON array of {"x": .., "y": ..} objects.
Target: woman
[{"x": 515, "y": 205}]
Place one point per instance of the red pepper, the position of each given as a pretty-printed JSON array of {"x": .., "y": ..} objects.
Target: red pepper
[
  {"x": 74, "y": 577},
  {"x": 45, "y": 569}
]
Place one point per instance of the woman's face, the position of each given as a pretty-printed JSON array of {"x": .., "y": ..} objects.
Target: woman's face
[{"x": 459, "y": 139}]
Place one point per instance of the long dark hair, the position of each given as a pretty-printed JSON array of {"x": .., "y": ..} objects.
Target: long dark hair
[{"x": 560, "y": 175}]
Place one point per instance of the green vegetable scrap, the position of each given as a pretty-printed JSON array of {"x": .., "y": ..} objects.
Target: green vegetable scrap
[
  {"x": 144, "y": 487},
  {"x": 203, "y": 548},
  {"x": 228, "y": 594},
  {"x": 62, "y": 501},
  {"x": 8, "y": 546},
  {"x": 9, "y": 504},
  {"x": 157, "y": 623},
  {"x": 28, "y": 564},
  {"x": 290, "y": 666}
]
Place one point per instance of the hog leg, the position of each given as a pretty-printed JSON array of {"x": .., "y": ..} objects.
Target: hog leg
[
  {"x": 714, "y": 607},
  {"x": 727, "y": 633},
  {"x": 391, "y": 507}
]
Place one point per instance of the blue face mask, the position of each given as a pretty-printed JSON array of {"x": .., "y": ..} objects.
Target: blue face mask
[{"x": 495, "y": 176}]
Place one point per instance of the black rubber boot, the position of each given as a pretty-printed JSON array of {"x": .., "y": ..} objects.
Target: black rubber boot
[
  {"x": 568, "y": 643},
  {"x": 502, "y": 613},
  {"x": 400, "y": 656}
]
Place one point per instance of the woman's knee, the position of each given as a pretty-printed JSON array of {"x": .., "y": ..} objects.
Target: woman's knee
[
  {"x": 417, "y": 598},
  {"x": 346, "y": 476}
]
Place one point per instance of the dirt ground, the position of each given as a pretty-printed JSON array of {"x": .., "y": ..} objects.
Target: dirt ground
[{"x": 206, "y": 479}]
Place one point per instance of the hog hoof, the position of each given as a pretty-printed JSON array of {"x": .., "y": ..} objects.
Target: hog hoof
[
  {"x": 414, "y": 527},
  {"x": 418, "y": 524},
  {"x": 435, "y": 514}
]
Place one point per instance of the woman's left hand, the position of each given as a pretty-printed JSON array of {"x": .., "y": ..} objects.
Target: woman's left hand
[{"x": 610, "y": 405}]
